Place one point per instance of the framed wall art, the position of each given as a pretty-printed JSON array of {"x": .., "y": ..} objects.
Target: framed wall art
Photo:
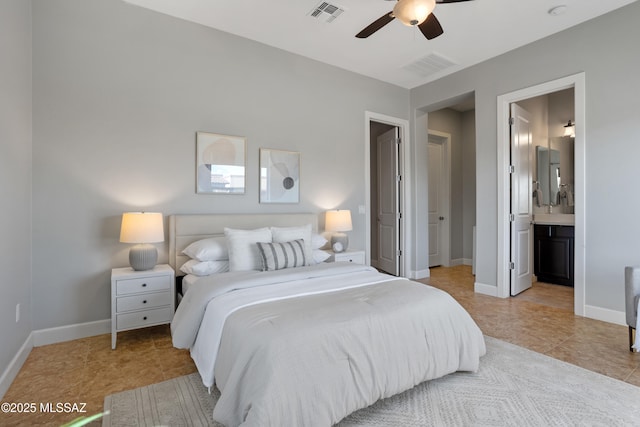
[
  {"x": 279, "y": 176},
  {"x": 220, "y": 163}
]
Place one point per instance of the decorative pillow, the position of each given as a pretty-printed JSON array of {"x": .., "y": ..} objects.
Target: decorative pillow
[
  {"x": 243, "y": 251},
  {"x": 288, "y": 234},
  {"x": 204, "y": 268},
  {"x": 320, "y": 256},
  {"x": 276, "y": 256},
  {"x": 318, "y": 241},
  {"x": 211, "y": 249}
]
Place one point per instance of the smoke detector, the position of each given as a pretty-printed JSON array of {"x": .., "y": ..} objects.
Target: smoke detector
[{"x": 557, "y": 10}]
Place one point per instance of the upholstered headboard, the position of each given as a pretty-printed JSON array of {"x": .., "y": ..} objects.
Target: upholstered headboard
[{"x": 186, "y": 229}]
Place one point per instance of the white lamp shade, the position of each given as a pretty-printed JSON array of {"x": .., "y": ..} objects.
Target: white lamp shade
[
  {"x": 338, "y": 220},
  {"x": 413, "y": 12},
  {"x": 141, "y": 227}
]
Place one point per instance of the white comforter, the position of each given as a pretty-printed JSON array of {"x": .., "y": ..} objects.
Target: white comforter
[{"x": 309, "y": 346}]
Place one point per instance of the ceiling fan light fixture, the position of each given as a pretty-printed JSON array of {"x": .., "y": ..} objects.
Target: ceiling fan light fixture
[{"x": 413, "y": 12}]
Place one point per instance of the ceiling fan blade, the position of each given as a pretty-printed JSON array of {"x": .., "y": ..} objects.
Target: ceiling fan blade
[
  {"x": 431, "y": 27},
  {"x": 450, "y": 1},
  {"x": 375, "y": 25}
]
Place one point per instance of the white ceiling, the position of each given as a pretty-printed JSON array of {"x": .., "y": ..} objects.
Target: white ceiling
[{"x": 473, "y": 31}]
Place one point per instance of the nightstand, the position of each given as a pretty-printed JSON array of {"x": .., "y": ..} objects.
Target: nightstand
[
  {"x": 141, "y": 298},
  {"x": 356, "y": 257}
]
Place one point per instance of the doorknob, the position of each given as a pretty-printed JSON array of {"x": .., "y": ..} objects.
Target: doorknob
[{"x": 441, "y": 218}]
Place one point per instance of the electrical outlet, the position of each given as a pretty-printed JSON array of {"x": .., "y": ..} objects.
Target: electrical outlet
[{"x": 17, "y": 313}]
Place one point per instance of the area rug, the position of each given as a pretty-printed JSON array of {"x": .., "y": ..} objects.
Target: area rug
[{"x": 513, "y": 387}]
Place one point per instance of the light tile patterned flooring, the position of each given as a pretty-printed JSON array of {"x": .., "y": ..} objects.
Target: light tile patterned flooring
[{"x": 87, "y": 370}]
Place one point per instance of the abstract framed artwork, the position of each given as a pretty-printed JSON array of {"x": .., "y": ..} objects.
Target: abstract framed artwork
[
  {"x": 279, "y": 176},
  {"x": 220, "y": 163}
]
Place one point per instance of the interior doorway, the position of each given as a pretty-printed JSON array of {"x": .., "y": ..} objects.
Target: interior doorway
[
  {"x": 505, "y": 242},
  {"x": 386, "y": 240},
  {"x": 446, "y": 179}
]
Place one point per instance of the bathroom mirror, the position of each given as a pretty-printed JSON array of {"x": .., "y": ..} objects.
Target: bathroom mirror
[
  {"x": 548, "y": 166},
  {"x": 555, "y": 176}
]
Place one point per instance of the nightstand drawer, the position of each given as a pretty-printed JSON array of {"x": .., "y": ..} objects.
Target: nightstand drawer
[
  {"x": 356, "y": 257},
  {"x": 143, "y": 318},
  {"x": 143, "y": 284},
  {"x": 144, "y": 301}
]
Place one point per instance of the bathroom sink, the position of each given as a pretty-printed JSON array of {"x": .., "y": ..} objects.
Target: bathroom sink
[{"x": 554, "y": 219}]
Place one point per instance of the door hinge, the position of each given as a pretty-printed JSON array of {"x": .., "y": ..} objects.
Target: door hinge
[
  {"x": 511, "y": 169},
  {"x": 512, "y": 217},
  {"x": 398, "y": 140},
  {"x": 398, "y": 252},
  {"x": 512, "y": 266},
  {"x": 512, "y": 121},
  {"x": 398, "y": 178}
]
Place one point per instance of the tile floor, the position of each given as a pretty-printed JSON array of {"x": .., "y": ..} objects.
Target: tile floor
[{"x": 87, "y": 370}]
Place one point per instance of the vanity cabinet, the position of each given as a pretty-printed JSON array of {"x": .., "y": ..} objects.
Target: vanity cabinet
[{"x": 553, "y": 253}]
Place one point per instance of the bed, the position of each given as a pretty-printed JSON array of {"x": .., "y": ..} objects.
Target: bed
[{"x": 311, "y": 344}]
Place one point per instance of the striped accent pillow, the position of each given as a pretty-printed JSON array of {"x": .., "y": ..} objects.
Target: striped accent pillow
[{"x": 276, "y": 256}]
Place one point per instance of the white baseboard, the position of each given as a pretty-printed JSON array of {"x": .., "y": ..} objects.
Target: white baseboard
[
  {"x": 71, "y": 332},
  {"x": 15, "y": 365},
  {"x": 419, "y": 274},
  {"x": 460, "y": 261},
  {"x": 50, "y": 336},
  {"x": 482, "y": 288},
  {"x": 605, "y": 315}
]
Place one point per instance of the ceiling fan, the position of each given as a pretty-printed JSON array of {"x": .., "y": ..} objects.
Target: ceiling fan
[{"x": 411, "y": 13}]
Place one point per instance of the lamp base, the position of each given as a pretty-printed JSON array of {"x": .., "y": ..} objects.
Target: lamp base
[
  {"x": 143, "y": 257},
  {"x": 339, "y": 242}
]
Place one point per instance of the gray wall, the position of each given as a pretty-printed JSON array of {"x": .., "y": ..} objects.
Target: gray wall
[
  {"x": 15, "y": 177},
  {"x": 604, "y": 49},
  {"x": 119, "y": 92}
]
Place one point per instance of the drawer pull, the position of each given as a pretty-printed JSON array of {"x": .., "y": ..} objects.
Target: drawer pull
[
  {"x": 144, "y": 285},
  {"x": 144, "y": 318},
  {"x": 144, "y": 302}
]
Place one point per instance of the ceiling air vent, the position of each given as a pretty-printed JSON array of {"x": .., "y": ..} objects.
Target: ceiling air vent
[
  {"x": 327, "y": 11},
  {"x": 429, "y": 65}
]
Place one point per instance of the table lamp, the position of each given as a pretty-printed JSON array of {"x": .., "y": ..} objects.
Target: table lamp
[
  {"x": 338, "y": 221},
  {"x": 142, "y": 228}
]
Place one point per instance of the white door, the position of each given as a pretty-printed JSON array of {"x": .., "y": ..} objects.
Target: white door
[
  {"x": 521, "y": 201},
  {"x": 388, "y": 202},
  {"x": 436, "y": 215}
]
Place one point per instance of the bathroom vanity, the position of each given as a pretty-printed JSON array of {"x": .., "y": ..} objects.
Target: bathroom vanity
[{"x": 554, "y": 237}]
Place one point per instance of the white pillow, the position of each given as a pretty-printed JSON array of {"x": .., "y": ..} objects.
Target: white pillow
[
  {"x": 320, "y": 256},
  {"x": 243, "y": 250},
  {"x": 211, "y": 249},
  {"x": 318, "y": 241},
  {"x": 288, "y": 234},
  {"x": 204, "y": 268}
]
